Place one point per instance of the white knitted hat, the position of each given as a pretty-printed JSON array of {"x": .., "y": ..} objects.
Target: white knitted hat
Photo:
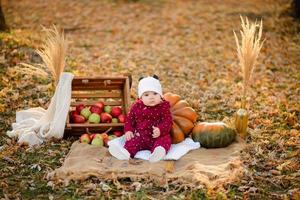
[{"x": 149, "y": 84}]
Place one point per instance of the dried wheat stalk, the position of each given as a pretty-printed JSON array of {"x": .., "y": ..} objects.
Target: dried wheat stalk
[
  {"x": 249, "y": 49},
  {"x": 53, "y": 52}
]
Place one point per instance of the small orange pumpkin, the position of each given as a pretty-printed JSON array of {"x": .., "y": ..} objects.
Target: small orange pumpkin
[{"x": 184, "y": 117}]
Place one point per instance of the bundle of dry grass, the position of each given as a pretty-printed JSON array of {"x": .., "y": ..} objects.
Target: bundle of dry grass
[
  {"x": 53, "y": 52},
  {"x": 249, "y": 49}
]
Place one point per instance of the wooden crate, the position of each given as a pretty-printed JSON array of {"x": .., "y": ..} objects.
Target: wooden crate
[{"x": 113, "y": 91}]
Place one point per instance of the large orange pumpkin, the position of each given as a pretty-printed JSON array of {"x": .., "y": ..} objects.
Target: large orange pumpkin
[{"x": 184, "y": 117}]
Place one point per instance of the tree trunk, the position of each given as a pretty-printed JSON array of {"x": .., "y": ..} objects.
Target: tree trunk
[
  {"x": 296, "y": 6},
  {"x": 3, "y": 26}
]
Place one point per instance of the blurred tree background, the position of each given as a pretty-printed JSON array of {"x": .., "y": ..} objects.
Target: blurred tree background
[{"x": 2, "y": 19}]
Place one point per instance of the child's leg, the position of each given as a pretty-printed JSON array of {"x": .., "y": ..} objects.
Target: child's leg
[
  {"x": 157, "y": 155},
  {"x": 164, "y": 142},
  {"x": 118, "y": 152},
  {"x": 134, "y": 145},
  {"x": 160, "y": 148}
]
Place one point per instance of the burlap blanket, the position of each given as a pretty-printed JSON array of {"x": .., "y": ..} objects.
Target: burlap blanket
[{"x": 209, "y": 167}]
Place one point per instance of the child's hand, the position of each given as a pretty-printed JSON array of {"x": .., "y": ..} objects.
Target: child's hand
[
  {"x": 156, "y": 132},
  {"x": 129, "y": 135}
]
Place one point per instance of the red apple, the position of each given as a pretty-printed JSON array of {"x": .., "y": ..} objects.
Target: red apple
[
  {"x": 85, "y": 138},
  {"x": 122, "y": 118},
  {"x": 96, "y": 109},
  {"x": 80, "y": 107},
  {"x": 105, "y": 138},
  {"x": 105, "y": 141},
  {"x": 77, "y": 118},
  {"x": 106, "y": 118},
  {"x": 118, "y": 133},
  {"x": 92, "y": 136},
  {"x": 100, "y": 105},
  {"x": 116, "y": 111},
  {"x": 72, "y": 113}
]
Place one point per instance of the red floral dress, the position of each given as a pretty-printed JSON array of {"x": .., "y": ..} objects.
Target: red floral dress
[{"x": 141, "y": 119}]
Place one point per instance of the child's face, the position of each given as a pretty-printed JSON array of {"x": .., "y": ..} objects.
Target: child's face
[{"x": 151, "y": 98}]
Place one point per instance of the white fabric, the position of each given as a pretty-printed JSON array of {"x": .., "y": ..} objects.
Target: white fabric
[
  {"x": 149, "y": 84},
  {"x": 35, "y": 125},
  {"x": 175, "y": 153}
]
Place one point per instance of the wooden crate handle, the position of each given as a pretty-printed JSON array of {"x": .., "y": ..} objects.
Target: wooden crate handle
[
  {"x": 107, "y": 82},
  {"x": 85, "y": 81}
]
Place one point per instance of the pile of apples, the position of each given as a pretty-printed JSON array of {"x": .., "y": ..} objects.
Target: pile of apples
[
  {"x": 97, "y": 113},
  {"x": 98, "y": 139}
]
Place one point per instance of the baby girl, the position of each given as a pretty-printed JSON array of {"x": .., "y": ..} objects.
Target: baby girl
[{"x": 148, "y": 124}]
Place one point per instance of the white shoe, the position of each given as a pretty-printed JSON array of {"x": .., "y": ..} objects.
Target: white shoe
[
  {"x": 157, "y": 155},
  {"x": 119, "y": 152}
]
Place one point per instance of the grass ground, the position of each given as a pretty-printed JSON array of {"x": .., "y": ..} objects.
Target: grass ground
[{"x": 190, "y": 45}]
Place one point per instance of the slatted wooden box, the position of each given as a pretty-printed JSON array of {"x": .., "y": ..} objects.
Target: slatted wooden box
[{"x": 113, "y": 91}]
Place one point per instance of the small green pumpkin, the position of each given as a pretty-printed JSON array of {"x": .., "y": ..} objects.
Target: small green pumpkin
[{"x": 213, "y": 134}]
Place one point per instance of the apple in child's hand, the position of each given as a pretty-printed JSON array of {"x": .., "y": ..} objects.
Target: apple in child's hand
[
  {"x": 94, "y": 118},
  {"x": 122, "y": 118},
  {"x": 85, "y": 112},
  {"x": 77, "y": 118},
  {"x": 107, "y": 109},
  {"x": 118, "y": 133},
  {"x": 96, "y": 109},
  {"x": 116, "y": 111},
  {"x": 97, "y": 141},
  {"x": 80, "y": 107},
  {"x": 105, "y": 118},
  {"x": 85, "y": 138},
  {"x": 114, "y": 120}
]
